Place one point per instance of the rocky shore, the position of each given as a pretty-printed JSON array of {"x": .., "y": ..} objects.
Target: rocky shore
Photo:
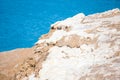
[{"x": 77, "y": 48}]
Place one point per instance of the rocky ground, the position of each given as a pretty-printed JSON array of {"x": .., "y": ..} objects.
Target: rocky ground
[
  {"x": 77, "y": 48},
  {"x": 11, "y": 59}
]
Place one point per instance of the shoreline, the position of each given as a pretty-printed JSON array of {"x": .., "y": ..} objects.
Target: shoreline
[{"x": 13, "y": 50}]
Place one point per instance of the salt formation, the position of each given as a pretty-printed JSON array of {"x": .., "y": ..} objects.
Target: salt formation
[{"x": 78, "y": 48}]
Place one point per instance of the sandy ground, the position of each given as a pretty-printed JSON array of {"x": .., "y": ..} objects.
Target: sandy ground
[{"x": 11, "y": 59}]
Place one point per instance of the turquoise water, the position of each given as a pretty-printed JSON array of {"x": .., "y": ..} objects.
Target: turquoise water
[{"x": 22, "y": 22}]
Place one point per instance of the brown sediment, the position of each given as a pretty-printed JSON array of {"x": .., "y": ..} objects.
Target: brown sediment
[
  {"x": 34, "y": 63},
  {"x": 75, "y": 41},
  {"x": 114, "y": 26},
  {"x": 11, "y": 59},
  {"x": 107, "y": 71}
]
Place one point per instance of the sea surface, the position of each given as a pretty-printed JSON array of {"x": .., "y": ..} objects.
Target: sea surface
[{"x": 22, "y": 22}]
